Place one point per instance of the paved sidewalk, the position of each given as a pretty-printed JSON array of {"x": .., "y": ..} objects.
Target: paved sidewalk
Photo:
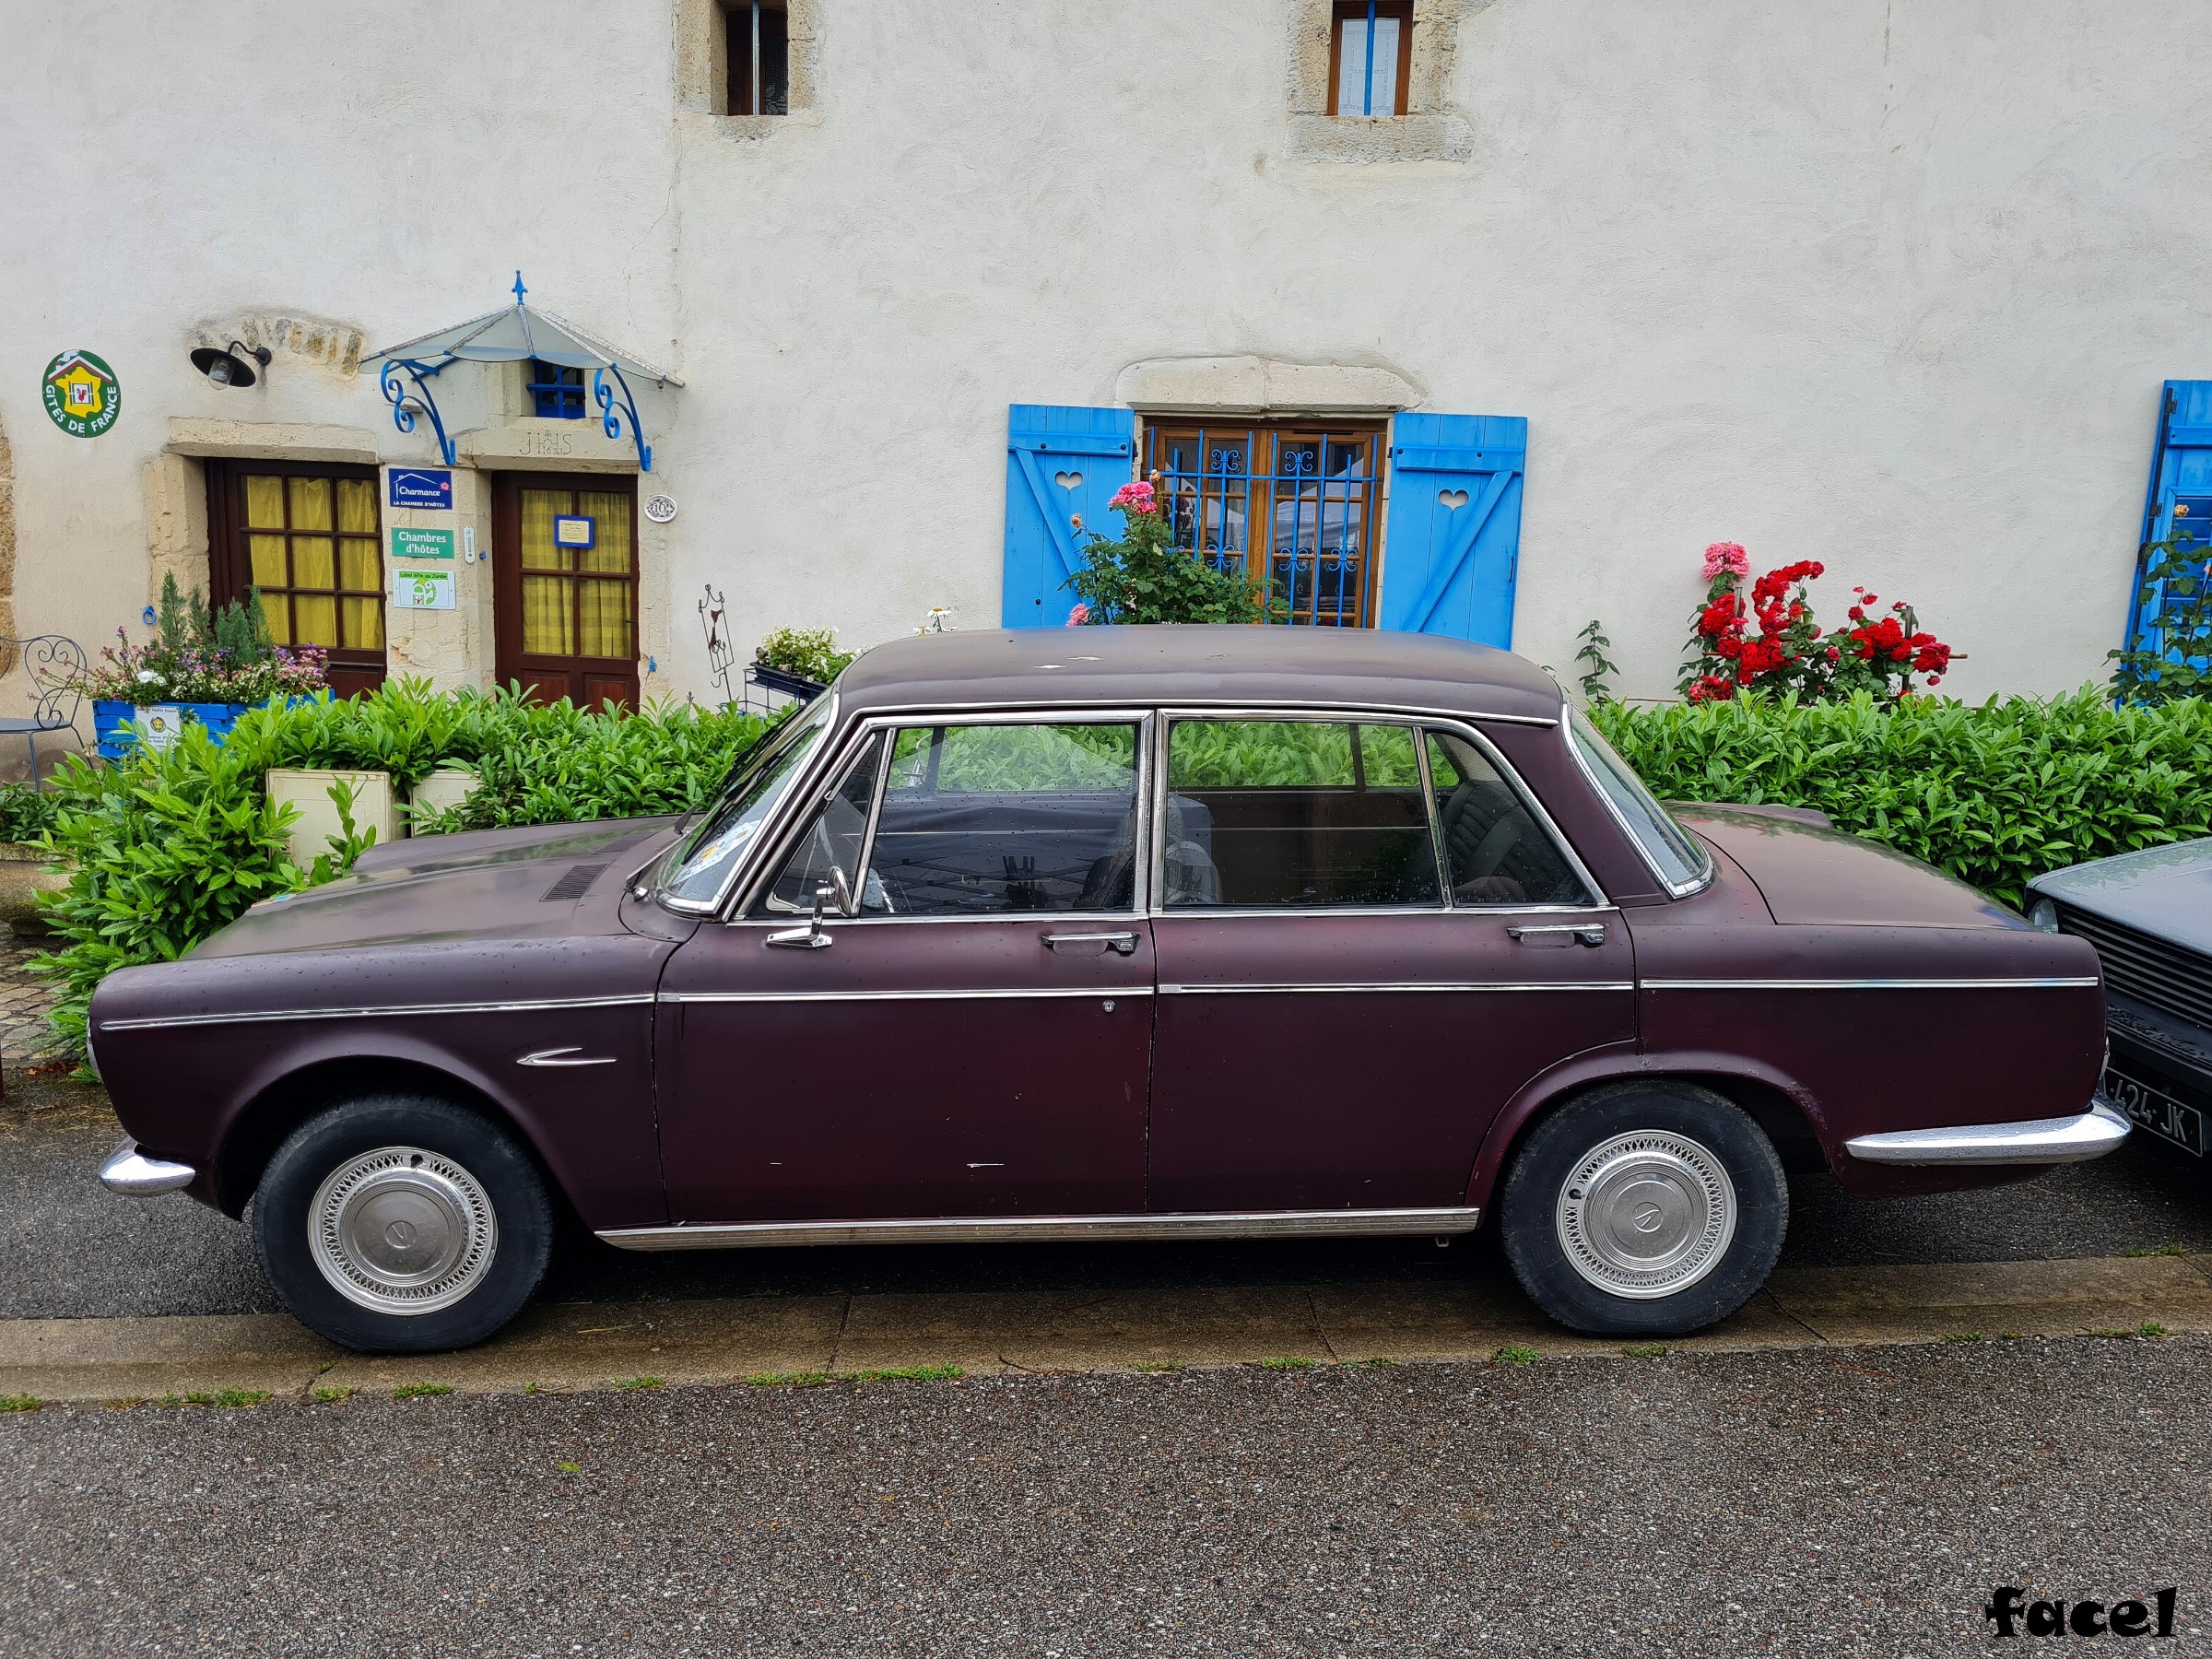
[
  {"x": 574, "y": 1346},
  {"x": 27, "y": 1038}
]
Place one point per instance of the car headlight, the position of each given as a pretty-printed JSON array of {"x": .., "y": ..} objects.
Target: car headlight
[{"x": 2044, "y": 915}]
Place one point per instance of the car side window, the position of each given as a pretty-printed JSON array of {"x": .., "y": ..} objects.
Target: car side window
[
  {"x": 832, "y": 847},
  {"x": 985, "y": 820},
  {"x": 1296, "y": 814},
  {"x": 1494, "y": 849}
]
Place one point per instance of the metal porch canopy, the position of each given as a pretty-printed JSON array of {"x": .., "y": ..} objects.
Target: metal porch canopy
[{"x": 514, "y": 333}]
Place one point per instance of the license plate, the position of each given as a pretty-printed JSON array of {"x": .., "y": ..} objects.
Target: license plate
[{"x": 2157, "y": 1111}]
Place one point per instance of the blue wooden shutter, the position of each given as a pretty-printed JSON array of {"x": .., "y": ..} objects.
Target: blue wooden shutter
[
  {"x": 1453, "y": 544},
  {"x": 2181, "y": 474},
  {"x": 1060, "y": 462}
]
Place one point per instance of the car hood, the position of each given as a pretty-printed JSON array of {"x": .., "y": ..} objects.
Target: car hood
[
  {"x": 1810, "y": 873},
  {"x": 2165, "y": 892},
  {"x": 542, "y": 882}
]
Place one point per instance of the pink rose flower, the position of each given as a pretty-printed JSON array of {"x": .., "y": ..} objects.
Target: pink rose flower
[
  {"x": 1079, "y": 616},
  {"x": 1727, "y": 556},
  {"x": 1136, "y": 497}
]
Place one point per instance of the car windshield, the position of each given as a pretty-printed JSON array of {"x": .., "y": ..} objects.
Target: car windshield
[
  {"x": 1681, "y": 862},
  {"x": 696, "y": 868}
]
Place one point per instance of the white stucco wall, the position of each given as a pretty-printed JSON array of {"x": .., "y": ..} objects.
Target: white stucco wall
[{"x": 1891, "y": 286}]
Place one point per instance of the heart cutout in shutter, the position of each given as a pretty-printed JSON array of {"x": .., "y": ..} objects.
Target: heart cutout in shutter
[
  {"x": 1071, "y": 482},
  {"x": 1451, "y": 499}
]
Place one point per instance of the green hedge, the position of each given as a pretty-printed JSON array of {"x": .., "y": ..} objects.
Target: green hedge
[
  {"x": 170, "y": 847},
  {"x": 1995, "y": 793}
]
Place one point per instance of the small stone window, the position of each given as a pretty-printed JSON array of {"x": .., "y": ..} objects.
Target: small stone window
[
  {"x": 758, "y": 38},
  {"x": 556, "y": 393},
  {"x": 1371, "y": 57}
]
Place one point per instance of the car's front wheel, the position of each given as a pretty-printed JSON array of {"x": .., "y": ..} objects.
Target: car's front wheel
[
  {"x": 401, "y": 1224},
  {"x": 1643, "y": 1209}
]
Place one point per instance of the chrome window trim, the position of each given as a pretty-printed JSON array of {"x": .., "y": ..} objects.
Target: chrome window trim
[
  {"x": 399, "y": 1011},
  {"x": 1328, "y": 706},
  {"x": 857, "y": 757},
  {"x": 1422, "y": 722},
  {"x": 2079, "y": 984},
  {"x": 1248, "y": 911},
  {"x": 802, "y": 787},
  {"x": 1408, "y": 987},
  {"x": 1672, "y": 888},
  {"x": 1193, "y": 1224},
  {"x": 766, "y": 856},
  {"x": 1105, "y": 992}
]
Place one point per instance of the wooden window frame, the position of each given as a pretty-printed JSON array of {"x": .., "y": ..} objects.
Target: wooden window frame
[
  {"x": 1259, "y": 555},
  {"x": 230, "y": 564},
  {"x": 1347, "y": 11}
]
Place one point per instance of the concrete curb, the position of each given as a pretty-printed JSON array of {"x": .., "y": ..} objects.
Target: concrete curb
[{"x": 598, "y": 1345}]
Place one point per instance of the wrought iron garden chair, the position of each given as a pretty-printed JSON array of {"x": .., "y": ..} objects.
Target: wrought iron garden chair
[{"x": 55, "y": 665}]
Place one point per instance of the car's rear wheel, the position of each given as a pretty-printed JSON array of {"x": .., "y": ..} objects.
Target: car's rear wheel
[
  {"x": 1643, "y": 1209},
  {"x": 402, "y": 1224}
]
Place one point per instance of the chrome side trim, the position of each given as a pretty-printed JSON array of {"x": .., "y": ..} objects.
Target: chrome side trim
[
  {"x": 134, "y": 1175},
  {"x": 401, "y": 1010},
  {"x": 1674, "y": 889},
  {"x": 1048, "y": 710},
  {"x": 2038, "y": 1141},
  {"x": 1408, "y": 985},
  {"x": 973, "y": 1229},
  {"x": 1870, "y": 984},
  {"x": 562, "y": 1056},
  {"x": 1106, "y": 992}
]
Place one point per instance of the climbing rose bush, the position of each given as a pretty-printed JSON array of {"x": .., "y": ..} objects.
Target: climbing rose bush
[{"x": 1878, "y": 653}]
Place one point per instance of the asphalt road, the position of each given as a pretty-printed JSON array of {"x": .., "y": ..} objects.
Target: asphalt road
[
  {"x": 68, "y": 1248},
  {"x": 1863, "y": 1501}
]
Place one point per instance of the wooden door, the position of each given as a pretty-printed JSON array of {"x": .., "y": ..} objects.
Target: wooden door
[
  {"x": 307, "y": 538},
  {"x": 565, "y": 586}
]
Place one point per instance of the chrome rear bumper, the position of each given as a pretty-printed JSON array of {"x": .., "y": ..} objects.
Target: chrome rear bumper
[
  {"x": 134, "y": 1175},
  {"x": 2038, "y": 1141}
]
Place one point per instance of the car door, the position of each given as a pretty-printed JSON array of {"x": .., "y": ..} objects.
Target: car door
[
  {"x": 966, "y": 1031},
  {"x": 1369, "y": 937}
]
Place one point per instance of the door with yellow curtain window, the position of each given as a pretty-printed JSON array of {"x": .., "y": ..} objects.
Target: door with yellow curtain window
[
  {"x": 306, "y": 537},
  {"x": 565, "y": 586}
]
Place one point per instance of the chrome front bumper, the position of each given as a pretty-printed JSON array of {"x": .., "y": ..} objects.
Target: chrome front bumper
[
  {"x": 2038, "y": 1141},
  {"x": 134, "y": 1175}
]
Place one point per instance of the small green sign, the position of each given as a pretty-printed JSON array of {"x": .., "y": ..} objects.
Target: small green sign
[
  {"x": 421, "y": 544},
  {"x": 83, "y": 397}
]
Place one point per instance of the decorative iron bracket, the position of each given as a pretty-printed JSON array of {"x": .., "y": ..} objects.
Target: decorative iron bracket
[
  {"x": 611, "y": 417},
  {"x": 405, "y": 404}
]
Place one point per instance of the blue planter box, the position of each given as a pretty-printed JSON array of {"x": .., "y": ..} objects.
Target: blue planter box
[{"x": 112, "y": 723}]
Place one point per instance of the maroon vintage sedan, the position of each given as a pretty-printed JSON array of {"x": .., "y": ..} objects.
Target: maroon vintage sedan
[{"x": 1147, "y": 933}]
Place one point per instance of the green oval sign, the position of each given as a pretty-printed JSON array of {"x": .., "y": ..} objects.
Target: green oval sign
[{"x": 83, "y": 397}]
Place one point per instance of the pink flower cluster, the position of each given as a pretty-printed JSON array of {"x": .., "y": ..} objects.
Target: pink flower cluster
[
  {"x": 1134, "y": 497},
  {"x": 1729, "y": 557},
  {"x": 1079, "y": 616}
]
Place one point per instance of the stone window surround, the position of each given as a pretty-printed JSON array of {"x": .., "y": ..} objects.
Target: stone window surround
[
  {"x": 1433, "y": 129},
  {"x": 702, "y": 87}
]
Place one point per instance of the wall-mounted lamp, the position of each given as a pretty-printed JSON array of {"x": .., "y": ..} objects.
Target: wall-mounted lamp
[{"x": 230, "y": 368}]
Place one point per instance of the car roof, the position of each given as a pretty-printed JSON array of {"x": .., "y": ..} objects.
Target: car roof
[{"x": 1023, "y": 668}]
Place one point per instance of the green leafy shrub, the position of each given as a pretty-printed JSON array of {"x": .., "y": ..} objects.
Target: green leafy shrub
[
  {"x": 26, "y": 813},
  {"x": 1146, "y": 577},
  {"x": 1995, "y": 793},
  {"x": 172, "y": 845}
]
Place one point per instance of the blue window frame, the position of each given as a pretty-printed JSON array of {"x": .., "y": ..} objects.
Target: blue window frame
[{"x": 557, "y": 392}]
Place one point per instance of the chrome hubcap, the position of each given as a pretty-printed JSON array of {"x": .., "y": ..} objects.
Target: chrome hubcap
[
  {"x": 402, "y": 1231},
  {"x": 1646, "y": 1214}
]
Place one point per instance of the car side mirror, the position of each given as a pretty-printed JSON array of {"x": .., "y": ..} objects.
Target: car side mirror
[{"x": 837, "y": 890}]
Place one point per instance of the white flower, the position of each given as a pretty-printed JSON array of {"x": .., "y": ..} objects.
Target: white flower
[{"x": 146, "y": 676}]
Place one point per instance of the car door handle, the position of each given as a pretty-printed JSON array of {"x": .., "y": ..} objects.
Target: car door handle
[
  {"x": 1592, "y": 933},
  {"x": 1120, "y": 944}
]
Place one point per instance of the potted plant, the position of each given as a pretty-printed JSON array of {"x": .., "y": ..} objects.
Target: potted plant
[
  {"x": 798, "y": 662},
  {"x": 205, "y": 666}
]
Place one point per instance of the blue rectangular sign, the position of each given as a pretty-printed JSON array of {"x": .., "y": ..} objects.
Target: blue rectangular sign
[{"x": 430, "y": 486}]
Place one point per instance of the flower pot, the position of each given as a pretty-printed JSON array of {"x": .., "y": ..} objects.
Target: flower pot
[
  {"x": 373, "y": 808},
  {"x": 119, "y": 726},
  {"x": 23, "y": 876},
  {"x": 441, "y": 792}
]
